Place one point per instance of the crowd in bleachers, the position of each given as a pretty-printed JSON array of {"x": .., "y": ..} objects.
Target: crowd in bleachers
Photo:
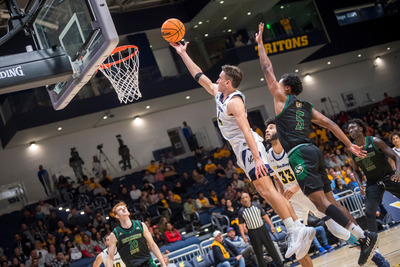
[{"x": 172, "y": 196}]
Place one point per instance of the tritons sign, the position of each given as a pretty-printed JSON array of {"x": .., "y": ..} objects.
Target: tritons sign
[{"x": 286, "y": 44}]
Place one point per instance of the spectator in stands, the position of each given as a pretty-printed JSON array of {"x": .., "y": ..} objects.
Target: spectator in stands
[
  {"x": 240, "y": 183},
  {"x": 230, "y": 169},
  {"x": 225, "y": 152},
  {"x": 203, "y": 202},
  {"x": 99, "y": 221},
  {"x": 45, "y": 207},
  {"x": 161, "y": 166},
  {"x": 40, "y": 253},
  {"x": 84, "y": 188},
  {"x": 52, "y": 222},
  {"x": 220, "y": 171},
  {"x": 394, "y": 138},
  {"x": 105, "y": 180},
  {"x": 77, "y": 236},
  {"x": 88, "y": 216},
  {"x": 28, "y": 218},
  {"x": 148, "y": 176},
  {"x": 230, "y": 193},
  {"x": 88, "y": 247},
  {"x": 172, "y": 234},
  {"x": 72, "y": 219},
  {"x": 158, "y": 237},
  {"x": 232, "y": 213},
  {"x": 163, "y": 202},
  {"x": 158, "y": 176},
  {"x": 51, "y": 255},
  {"x": 217, "y": 153},
  {"x": 60, "y": 260},
  {"x": 171, "y": 159},
  {"x": 147, "y": 186},
  {"x": 135, "y": 193},
  {"x": 335, "y": 177},
  {"x": 153, "y": 196},
  {"x": 39, "y": 215},
  {"x": 334, "y": 161},
  {"x": 174, "y": 197},
  {"x": 63, "y": 186},
  {"x": 340, "y": 186},
  {"x": 20, "y": 255},
  {"x": 198, "y": 178},
  {"x": 187, "y": 181},
  {"x": 166, "y": 260},
  {"x": 152, "y": 167},
  {"x": 210, "y": 167},
  {"x": 162, "y": 224},
  {"x": 213, "y": 198},
  {"x": 189, "y": 208},
  {"x": 222, "y": 253},
  {"x": 32, "y": 260},
  {"x": 179, "y": 189},
  {"x": 144, "y": 201},
  {"x": 245, "y": 249},
  {"x": 164, "y": 189},
  {"x": 99, "y": 190},
  {"x": 170, "y": 174},
  {"x": 124, "y": 195},
  {"x": 98, "y": 238},
  {"x": 199, "y": 168}
]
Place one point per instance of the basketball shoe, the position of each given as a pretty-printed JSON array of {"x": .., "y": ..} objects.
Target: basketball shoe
[
  {"x": 305, "y": 243},
  {"x": 367, "y": 246},
  {"x": 298, "y": 240}
]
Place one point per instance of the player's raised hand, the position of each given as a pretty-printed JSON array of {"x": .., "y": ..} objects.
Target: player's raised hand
[
  {"x": 395, "y": 177},
  {"x": 179, "y": 47},
  {"x": 357, "y": 150},
  {"x": 261, "y": 169},
  {"x": 259, "y": 33}
]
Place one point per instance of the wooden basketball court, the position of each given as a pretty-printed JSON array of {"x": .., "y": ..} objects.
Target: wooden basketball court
[{"x": 389, "y": 247}]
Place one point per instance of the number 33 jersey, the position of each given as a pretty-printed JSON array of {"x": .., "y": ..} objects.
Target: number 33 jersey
[
  {"x": 117, "y": 259},
  {"x": 280, "y": 165}
]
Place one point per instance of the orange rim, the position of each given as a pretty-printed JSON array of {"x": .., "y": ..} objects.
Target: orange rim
[{"x": 117, "y": 50}]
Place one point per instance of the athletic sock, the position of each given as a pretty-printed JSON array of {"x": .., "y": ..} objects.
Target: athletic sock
[
  {"x": 298, "y": 223},
  {"x": 289, "y": 224},
  {"x": 356, "y": 230}
]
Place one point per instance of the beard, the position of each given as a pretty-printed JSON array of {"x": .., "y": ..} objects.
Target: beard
[{"x": 273, "y": 138}]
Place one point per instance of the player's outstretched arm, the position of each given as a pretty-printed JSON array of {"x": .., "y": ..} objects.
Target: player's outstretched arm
[
  {"x": 194, "y": 70},
  {"x": 236, "y": 108},
  {"x": 325, "y": 122},
  {"x": 152, "y": 245},
  {"x": 266, "y": 66},
  {"x": 391, "y": 155},
  {"x": 111, "y": 250},
  {"x": 98, "y": 261}
]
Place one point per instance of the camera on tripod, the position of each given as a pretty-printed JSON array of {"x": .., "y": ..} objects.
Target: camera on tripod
[
  {"x": 118, "y": 136},
  {"x": 100, "y": 146}
]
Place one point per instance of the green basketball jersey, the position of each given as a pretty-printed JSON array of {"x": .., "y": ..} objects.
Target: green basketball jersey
[
  {"x": 375, "y": 165},
  {"x": 293, "y": 124},
  {"x": 132, "y": 245}
]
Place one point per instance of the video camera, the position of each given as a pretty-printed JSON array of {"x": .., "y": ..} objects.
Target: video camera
[{"x": 100, "y": 146}]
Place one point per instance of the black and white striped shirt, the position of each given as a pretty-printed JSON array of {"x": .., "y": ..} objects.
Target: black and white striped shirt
[{"x": 252, "y": 216}]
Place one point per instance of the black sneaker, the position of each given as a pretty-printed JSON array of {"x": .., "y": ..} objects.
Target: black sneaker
[{"x": 367, "y": 246}]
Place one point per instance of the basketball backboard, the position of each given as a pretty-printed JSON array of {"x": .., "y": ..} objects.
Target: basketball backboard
[{"x": 84, "y": 28}]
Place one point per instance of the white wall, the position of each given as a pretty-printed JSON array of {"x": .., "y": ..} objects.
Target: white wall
[{"x": 21, "y": 163}]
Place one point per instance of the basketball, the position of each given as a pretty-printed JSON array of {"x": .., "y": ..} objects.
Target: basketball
[{"x": 173, "y": 30}]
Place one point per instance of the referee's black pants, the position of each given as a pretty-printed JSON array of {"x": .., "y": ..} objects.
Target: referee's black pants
[{"x": 260, "y": 237}]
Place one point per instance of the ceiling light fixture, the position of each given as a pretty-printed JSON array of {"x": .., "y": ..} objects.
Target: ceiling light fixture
[
  {"x": 147, "y": 107},
  {"x": 221, "y": 2},
  {"x": 359, "y": 55},
  {"x": 188, "y": 97},
  {"x": 329, "y": 63},
  {"x": 388, "y": 48},
  {"x": 225, "y": 18},
  {"x": 105, "y": 117},
  {"x": 59, "y": 128},
  {"x": 33, "y": 143},
  {"x": 296, "y": 70},
  {"x": 262, "y": 79},
  {"x": 248, "y": 13},
  {"x": 136, "y": 118},
  {"x": 206, "y": 35}
]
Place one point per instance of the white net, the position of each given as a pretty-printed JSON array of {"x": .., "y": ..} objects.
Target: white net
[{"x": 122, "y": 70}]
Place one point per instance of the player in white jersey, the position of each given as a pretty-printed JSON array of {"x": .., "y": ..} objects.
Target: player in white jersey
[
  {"x": 102, "y": 257},
  {"x": 287, "y": 185},
  {"x": 394, "y": 138},
  {"x": 233, "y": 123}
]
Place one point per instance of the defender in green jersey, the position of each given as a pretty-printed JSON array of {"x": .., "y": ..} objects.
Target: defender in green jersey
[
  {"x": 379, "y": 173},
  {"x": 293, "y": 123},
  {"x": 133, "y": 241}
]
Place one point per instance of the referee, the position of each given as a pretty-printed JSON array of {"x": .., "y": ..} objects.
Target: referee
[{"x": 254, "y": 216}]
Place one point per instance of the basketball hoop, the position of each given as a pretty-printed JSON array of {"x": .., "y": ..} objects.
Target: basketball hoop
[{"x": 122, "y": 70}]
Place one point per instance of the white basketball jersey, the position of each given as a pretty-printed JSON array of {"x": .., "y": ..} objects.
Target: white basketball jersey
[
  {"x": 227, "y": 123},
  {"x": 117, "y": 259},
  {"x": 397, "y": 151},
  {"x": 281, "y": 167}
]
